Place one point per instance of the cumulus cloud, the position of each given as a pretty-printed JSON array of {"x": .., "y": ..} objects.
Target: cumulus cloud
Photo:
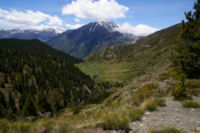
[
  {"x": 14, "y": 18},
  {"x": 95, "y": 9},
  {"x": 138, "y": 30},
  {"x": 75, "y": 26},
  {"x": 77, "y": 20}
]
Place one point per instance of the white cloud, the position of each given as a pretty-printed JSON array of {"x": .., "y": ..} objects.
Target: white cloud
[
  {"x": 95, "y": 9},
  {"x": 14, "y": 18},
  {"x": 75, "y": 26},
  {"x": 139, "y": 30},
  {"x": 77, "y": 20}
]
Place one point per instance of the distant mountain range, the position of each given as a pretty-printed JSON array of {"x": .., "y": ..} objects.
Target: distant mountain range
[
  {"x": 90, "y": 38},
  {"x": 80, "y": 42},
  {"x": 43, "y": 35}
]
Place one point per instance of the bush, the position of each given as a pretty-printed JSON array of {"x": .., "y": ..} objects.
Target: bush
[
  {"x": 194, "y": 87},
  {"x": 180, "y": 92},
  {"x": 136, "y": 114},
  {"x": 115, "y": 120},
  {"x": 149, "y": 105},
  {"x": 167, "y": 130},
  {"x": 191, "y": 104},
  {"x": 142, "y": 93},
  {"x": 160, "y": 102}
]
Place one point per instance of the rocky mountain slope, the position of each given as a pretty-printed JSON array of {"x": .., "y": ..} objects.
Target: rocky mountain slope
[{"x": 90, "y": 38}]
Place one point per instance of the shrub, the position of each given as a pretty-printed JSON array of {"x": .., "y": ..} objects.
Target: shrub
[
  {"x": 115, "y": 120},
  {"x": 136, "y": 114},
  {"x": 194, "y": 87},
  {"x": 159, "y": 101},
  {"x": 191, "y": 104},
  {"x": 180, "y": 91},
  {"x": 149, "y": 105},
  {"x": 167, "y": 130},
  {"x": 142, "y": 93}
]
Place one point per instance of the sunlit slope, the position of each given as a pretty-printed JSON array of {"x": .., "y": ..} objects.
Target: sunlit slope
[{"x": 120, "y": 63}]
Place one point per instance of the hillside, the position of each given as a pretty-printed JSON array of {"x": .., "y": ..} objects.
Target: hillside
[
  {"x": 122, "y": 62},
  {"x": 30, "y": 81},
  {"x": 37, "y": 47},
  {"x": 43, "y": 35},
  {"x": 90, "y": 38}
]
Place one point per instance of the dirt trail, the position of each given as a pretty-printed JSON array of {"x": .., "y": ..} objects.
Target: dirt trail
[{"x": 173, "y": 115}]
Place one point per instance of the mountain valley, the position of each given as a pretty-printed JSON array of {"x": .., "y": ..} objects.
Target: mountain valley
[{"x": 96, "y": 78}]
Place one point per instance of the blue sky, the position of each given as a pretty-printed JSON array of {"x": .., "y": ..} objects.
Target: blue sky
[{"x": 155, "y": 14}]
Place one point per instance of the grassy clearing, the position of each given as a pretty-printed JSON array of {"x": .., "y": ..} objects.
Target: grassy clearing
[{"x": 107, "y": 71}]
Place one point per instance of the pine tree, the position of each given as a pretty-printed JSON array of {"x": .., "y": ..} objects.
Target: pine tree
[
  {"x": 29, "y": 108},
  {"x": 2, "y": 105},
  {"x": 2, "y": 85},
  {"x": 12, "y": 102},
  {"x": 186, "y": 58}
]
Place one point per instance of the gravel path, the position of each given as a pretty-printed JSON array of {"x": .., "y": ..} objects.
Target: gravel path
[{"x": 173, "y": 115}]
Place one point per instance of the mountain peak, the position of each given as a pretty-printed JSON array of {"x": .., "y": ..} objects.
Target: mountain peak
[
  {"x": 108, "y": 26},
  {"x": 90, "y": 38}
]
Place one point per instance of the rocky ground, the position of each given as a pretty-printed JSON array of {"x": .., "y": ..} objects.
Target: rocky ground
[{"x": 172, "y": 115}]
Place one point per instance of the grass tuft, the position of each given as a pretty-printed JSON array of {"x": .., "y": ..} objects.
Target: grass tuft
[
  {"x": 136, "y": 114},
  {"x": 167, "y": 130},
  {"x": 160, "y": 102},
  {"x": 115, "y": 120},
  {"x": 191, "y": 104}
]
